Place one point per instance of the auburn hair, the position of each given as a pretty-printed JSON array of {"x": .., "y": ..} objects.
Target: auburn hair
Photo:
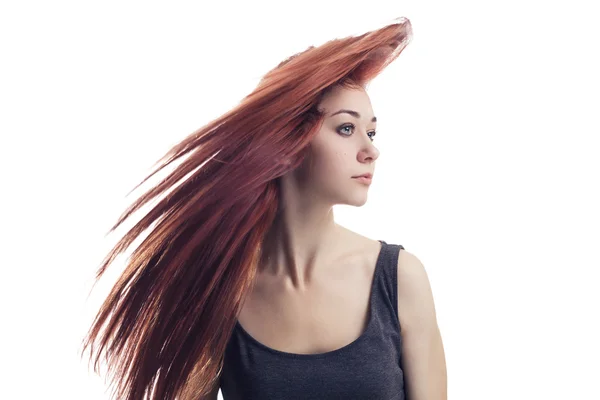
[{"x": 169, "y": 316}]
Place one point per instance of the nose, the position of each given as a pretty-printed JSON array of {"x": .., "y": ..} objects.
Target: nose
[{"x": 369, "y": 151}]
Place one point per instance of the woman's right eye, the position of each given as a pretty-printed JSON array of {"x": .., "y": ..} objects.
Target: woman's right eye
[{"x": 344, "y": 127}]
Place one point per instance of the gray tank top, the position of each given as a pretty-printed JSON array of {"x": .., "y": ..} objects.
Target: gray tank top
[{"x": 367, "y": 368}]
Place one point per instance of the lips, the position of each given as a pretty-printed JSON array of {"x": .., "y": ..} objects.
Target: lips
[{"x": 369, "y": 176}]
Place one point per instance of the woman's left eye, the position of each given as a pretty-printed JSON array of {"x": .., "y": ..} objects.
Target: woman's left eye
[{"x": 352, "y": 126}]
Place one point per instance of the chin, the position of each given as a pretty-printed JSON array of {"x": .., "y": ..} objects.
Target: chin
[
  {"x": 362, "y": 203},
  {"x": 354, "y": 196},
  {"x": 357, "y": 201}
]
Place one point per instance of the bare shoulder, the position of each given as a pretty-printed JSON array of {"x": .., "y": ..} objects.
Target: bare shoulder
[
  {"x": 415, "y": 297},
  {"x": 423, "y": 357},
  {"x": 410, "y": 266}
]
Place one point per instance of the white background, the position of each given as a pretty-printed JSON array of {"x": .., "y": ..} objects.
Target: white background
[{"x": 488, "y": 131}]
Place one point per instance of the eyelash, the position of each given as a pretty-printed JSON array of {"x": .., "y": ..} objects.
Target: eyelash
[{"x": 352, "y": 125}]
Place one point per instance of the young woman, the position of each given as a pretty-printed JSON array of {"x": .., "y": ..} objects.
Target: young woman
[{"x": 246, "y": 283}]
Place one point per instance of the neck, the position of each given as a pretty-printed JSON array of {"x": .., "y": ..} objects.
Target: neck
[{"x": 296, "y": 244}]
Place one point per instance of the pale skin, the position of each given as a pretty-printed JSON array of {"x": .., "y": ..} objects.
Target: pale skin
[{"x": 305, "y": 249}]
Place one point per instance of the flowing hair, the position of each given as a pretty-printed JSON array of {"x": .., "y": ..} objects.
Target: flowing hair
[{"x": 171, "y": 312}]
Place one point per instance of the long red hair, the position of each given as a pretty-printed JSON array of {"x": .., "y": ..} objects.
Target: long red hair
[{"x": 170, "y": 314}]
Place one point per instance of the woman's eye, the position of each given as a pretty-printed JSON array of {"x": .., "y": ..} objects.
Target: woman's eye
[
  {"x": 346, "y": 127},
  {"x": 371, "y": 133}
]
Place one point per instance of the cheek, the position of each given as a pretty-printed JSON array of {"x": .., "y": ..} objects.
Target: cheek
[
  {"x": 330, "y": 159},
  {"x": 330, "y": 166}
]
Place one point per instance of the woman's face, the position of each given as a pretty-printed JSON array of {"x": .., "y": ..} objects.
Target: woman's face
[{"x": 342, "y": 149}]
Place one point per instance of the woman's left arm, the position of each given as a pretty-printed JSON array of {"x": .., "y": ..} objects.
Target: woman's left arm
[{"x": 423, "y": 358}]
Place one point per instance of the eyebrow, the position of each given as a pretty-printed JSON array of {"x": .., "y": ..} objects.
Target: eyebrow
[{"x": 353, "y": 113}]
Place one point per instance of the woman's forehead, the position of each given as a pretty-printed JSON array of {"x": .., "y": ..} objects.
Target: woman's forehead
[{"x": 343, "y": 99}]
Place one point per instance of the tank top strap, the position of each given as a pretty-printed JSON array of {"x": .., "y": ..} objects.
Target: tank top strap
[{"x": 387, "y": 287}]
